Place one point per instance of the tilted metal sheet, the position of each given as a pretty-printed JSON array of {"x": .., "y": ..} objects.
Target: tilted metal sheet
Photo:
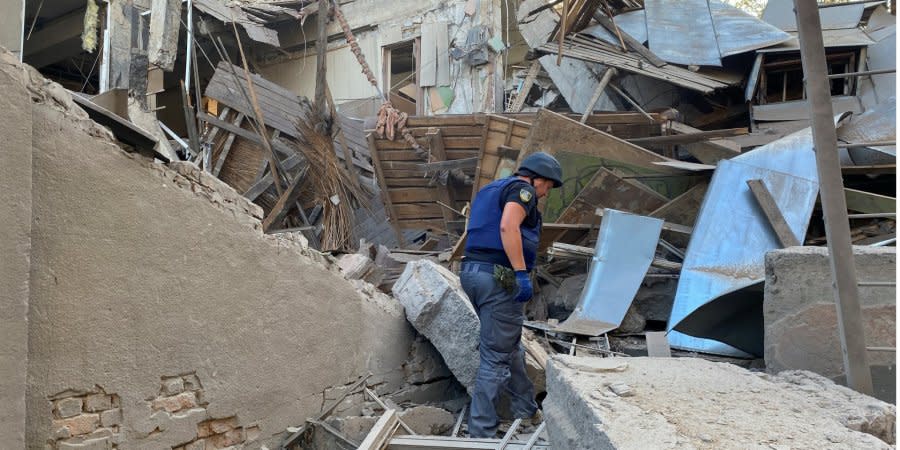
[
  {"x": 780, "y": 13},
  {"x": 738, "y": 32},
  {"x": 625, "y": 248},
  {"x": 878, "y": 124},
  {"x": 682, "y": 33},
  {"x": 634, "y": 23},
  {"x": 731, "y": 235}
]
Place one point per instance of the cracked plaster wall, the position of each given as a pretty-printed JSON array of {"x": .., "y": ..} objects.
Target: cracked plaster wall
[{"x": 141, "y": 275}]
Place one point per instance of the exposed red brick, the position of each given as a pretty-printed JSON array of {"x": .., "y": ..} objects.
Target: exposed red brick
[{"x": 78, "y": 425}]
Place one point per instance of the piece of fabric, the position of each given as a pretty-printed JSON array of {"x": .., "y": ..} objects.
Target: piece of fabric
[
  {"x": 483, "y": 241},
  {"x": 502, "y": 359}
]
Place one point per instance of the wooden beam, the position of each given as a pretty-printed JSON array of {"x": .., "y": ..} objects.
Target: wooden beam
[
  {"x": 226, "y": 148},
  {"x": 381, "y": 433},
  {"x": 687, "y": 138},
  {"x": 321, "y": 52},
  {"x": 867, "y": 202},
  {"x": 773, "y": 213},
  {"x": 325, "y": 412},
  {"x": 630, "y": 41},
  {"x": 604, "y": 80},
  {"x": 287, "y": 199},
  {"x": 519, "y": 102}
]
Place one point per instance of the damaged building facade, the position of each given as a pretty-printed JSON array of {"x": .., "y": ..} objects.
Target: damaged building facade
[{"x": 238, "y": 224}]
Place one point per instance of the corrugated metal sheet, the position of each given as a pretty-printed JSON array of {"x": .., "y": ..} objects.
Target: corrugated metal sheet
[
  {"x": 738, "y": 32},
  {"x": 625, "y": 247},
  {"x": 684, "y": 34},
  {"x": 731, "y": 236},
  {"x": 593, "y": 50}
]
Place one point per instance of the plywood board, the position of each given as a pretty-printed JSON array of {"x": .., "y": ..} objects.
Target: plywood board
[{"x": 608, "y": 190}]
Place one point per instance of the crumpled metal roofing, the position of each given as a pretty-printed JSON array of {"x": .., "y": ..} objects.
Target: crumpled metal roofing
[
  {"x": 733, "y": 31},
  {"x": 625, "y": 248},
  {"x": 713, "y": 311}
]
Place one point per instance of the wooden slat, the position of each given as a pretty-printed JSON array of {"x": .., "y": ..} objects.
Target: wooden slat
[
  {"x": 867, "y": 202},
  {"x": 773, "y": 213},
  {"x": 438, "y": 154},
  {"x": 411, "y": 195},
  {"x": 379, "y": 174}
]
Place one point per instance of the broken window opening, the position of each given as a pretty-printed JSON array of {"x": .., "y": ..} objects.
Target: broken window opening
[
  {"x": 781, "y": 78},
  {"x": 401, "y": 69}
]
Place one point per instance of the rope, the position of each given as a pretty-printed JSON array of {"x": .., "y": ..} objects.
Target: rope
[{"x": 390, "y": 119}]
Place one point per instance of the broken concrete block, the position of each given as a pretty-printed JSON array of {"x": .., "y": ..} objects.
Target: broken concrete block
[
  {"x": 682, "y": 403},
  {"x": 428, "y": 420},
  {"x": 856, "y": 411},
  {"x": 355, "y": 266},
  {"x": 438, "y": 308},
  {"x": 801, "y": 328}
]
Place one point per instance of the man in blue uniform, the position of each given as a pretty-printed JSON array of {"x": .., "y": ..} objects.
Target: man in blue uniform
[{"x": 501, "y": 248}]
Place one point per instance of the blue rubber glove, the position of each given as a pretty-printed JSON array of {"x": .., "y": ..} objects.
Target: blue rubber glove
[{"x": 523, "y": 281}]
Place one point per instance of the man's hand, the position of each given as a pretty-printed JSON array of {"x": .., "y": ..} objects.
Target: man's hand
[{"x": 523, "y": 281}]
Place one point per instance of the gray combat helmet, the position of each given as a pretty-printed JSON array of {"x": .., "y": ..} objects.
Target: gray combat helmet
[{"x": 545, "y": 166}]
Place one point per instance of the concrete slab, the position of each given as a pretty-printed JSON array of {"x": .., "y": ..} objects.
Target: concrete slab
[
  {"x": 691, "y": 403},
  {"x": 801, "y": 319},
  {"x": 439, "y": 309}
]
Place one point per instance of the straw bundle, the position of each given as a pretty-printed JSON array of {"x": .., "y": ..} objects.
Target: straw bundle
[{"x": 329, "y": 183}]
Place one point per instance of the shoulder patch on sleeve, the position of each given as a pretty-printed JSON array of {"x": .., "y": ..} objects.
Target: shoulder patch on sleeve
[{"x": 525, "y": 195}]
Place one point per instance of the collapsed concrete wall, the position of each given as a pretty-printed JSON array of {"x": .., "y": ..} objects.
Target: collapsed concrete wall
[
  {"x": 801, "y": 329},
  {"x": 159, "y": 315},
  {"x": 691, "y": 403}
]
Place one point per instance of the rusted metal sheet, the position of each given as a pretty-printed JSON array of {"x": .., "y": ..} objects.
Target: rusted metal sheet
[
  {"x": 713, "y": 311},
  {"x": 625, "y": 248},
  {"x": 684, "y": 34}
]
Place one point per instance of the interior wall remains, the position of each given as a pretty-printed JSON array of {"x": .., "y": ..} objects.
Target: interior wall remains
[
  {"x": 381, "y": 23},
  {"x": 157, "y": 310}
]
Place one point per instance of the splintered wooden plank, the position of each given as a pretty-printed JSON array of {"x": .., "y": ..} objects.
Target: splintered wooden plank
[
  {"x": 381, "y": 433},
  {"x": 773, "y": 213},
  {"x": 287, "y": 199},
  {"x": 553, "y": 133},
  {"x": 500, "y": 132},
  {"x": 867, "y": 202},
  {"x": 608, "y": 190},
  {"x": 411, "y": 195}
]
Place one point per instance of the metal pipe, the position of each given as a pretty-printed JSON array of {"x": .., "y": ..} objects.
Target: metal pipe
[
  {"x": 190, "y": 46},
  {"x": 878, "y": 283},
  {"x": 862, "y": 73},
  {"x": 834, "y": 205},
  {"x": 872, "y": 216}
]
